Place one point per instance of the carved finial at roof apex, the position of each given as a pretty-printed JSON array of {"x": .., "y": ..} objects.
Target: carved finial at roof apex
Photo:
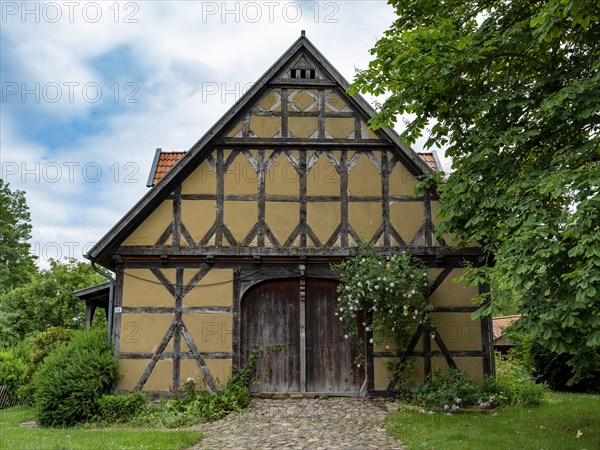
[{"x": 303, "y": 33}]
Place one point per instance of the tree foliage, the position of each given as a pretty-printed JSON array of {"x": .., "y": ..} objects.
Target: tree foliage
[
  {"x": 47, "y": 301},
  {"x": 512, "y": 90},
  {"x": 16, "y": 263}
]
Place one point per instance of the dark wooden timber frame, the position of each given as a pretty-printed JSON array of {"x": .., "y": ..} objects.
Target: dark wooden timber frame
[{"x": 260, "y": 256}]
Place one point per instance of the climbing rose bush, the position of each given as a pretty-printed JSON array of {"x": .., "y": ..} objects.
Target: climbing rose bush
[{"x": 392, "y": 291}]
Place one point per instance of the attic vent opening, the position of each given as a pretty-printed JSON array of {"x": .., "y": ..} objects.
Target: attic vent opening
[{"x": 305, "y": 74}]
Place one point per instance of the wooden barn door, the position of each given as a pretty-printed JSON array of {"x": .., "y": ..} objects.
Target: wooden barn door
[
  {"x": 270, "y": 315},
  {"x": 330, "y": 363},
  {"x": 301, "y": 339}
]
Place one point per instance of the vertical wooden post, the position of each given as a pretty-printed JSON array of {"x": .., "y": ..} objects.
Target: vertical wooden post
[
  {"x": 302, "y": 334},
  {"x": 284, "y": 113},
  {"x": 385, "y": 189},
  {"x": 177, "y": 216},
  {"x": 428, "y": 222},
  {"x": 369, "y": 363},
  {"x": 220, "y": 198},
  {"x": 117, "y": 303},
  {"x": 487, "y": 341},
  {"x": 303, "y": 175},
  {"x": 237, "y": 324},
  {"x": 426, "y": 353},
  {"x": 177, "y": 321},
  {"x": 344, "y": 195},
  {"x": 90, "y": 309}
]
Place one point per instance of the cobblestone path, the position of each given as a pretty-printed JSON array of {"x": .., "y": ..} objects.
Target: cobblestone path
[{"x": 330, "y": 423}]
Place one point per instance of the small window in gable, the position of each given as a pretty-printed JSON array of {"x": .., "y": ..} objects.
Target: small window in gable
[{"x": 304, "y": 74}]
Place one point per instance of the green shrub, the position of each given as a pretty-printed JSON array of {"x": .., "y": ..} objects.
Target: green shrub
[
  {"x": 121, "y": 407},
  {"x": 44, "y": 343},
  {"x": 48, "y": 341},
  {"x": 514, "y": 385},
  {"x": 23, "y": 350},
  {"x": 552, "y": 368},
  {"x": 71, "y": 380},
  {"x": 199, "y": 405},
  {"x": 451, "y": 387},
  {"x": 12, "y": 371}
]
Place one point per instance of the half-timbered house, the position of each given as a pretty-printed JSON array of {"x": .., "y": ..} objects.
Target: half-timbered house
[{"x": 231, "y": 247}]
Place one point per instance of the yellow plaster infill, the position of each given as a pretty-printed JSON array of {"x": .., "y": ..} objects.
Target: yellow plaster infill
[
  {"x": 131, "y": 370},
  {"x": 365, "y": 218},
  {"x": 220, "y": 369},
  {"x": 265, "y": 126},
  {"x": 203, "y": 180},
  {"x": 282, "y": 178},
  {"x": 402, "y": 182},
  {"x": 339, "y": 127},
  {"x": 211, "y": 332},
  {"x": 215, "y": 289},
  {"x": 323, "y": 179},
  {"x": 458, "y": 331},
  {"x": 323, "y": 218},
  {"x": 282, "y": 218},
  {"x": 382, "y": 376},
  {"x": 237, "y": 128},
  {"x": 333, "y": 103},
  {"x": 198, "y": 216},
  {"x": 142, "y": 289},
  {"x": 407, "y": 218},
  {"x": 453, "y": 294},
  {"x": 303, "y": 100},
  {"x": 142, "y": 333},
  {"x": 240, "y": 177},
  {"x": 271, "y": 101},
  {"x": 367, "y": 131},
  {"x": 364, "y": 179},
  {"x": 150, "y": 230},
  {"x": 240, "y": 217},
  {"x": 302, "y": 127}
]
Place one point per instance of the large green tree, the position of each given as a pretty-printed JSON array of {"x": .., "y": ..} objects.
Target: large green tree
[
  {"x": 511, "y": 90},
  {"x": 16, "y": 262},
  {"x": 47, "y": 301}
]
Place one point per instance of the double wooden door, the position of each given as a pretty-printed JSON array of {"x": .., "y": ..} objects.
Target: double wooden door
[{"x": 300, "y": 339}]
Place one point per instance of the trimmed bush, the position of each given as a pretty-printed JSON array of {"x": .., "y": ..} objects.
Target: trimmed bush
[
  {"x": 122, "y": 407},
  {"x": 44, "y": 343},
  {"x": 71, "y": 381},
  {"x": 12, "y": 371}
]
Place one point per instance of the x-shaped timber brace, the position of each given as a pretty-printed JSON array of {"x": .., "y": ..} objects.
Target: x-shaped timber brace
[{"x": 178, "y": 330}]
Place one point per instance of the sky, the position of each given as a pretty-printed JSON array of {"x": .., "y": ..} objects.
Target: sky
[{"x": 91, "y": 89}]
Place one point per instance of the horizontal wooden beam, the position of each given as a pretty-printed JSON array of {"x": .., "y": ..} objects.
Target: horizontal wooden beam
[
  {"x": 169, "y": 356},
  {"x": 170, "y": 310},
  {"x": 459, "y": 353},
  {"x": 302, "y": 83},
  {"x": 428, "y": 254},
  {"x": 296, "y": 198},
  {"x": 258, "y": 143}
]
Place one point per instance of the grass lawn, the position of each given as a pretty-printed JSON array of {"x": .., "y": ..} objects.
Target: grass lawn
[
  {"x": 13, "y": 436},
  {"x": 554, "y": 425}
]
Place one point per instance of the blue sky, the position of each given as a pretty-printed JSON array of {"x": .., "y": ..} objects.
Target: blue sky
[{"x": 91, "y": 89}]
